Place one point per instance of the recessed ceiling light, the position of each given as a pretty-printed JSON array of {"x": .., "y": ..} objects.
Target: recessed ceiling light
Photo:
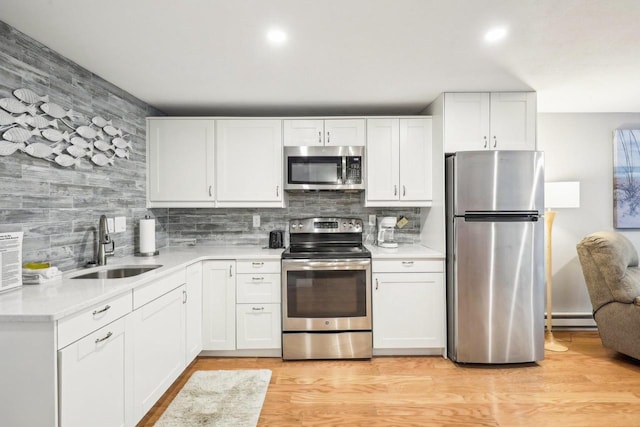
[
  {"x": 276, "y": 36},
  {"x": 495, "y": 34}
]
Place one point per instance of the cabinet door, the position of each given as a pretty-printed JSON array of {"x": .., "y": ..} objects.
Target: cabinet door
[
  {"x": 408, "y": 310},
  {"x": 249, "y": 161},
  {"x": 300, "y": 132},
  {"x": 180, "y": 160},
  {"x": 95, "y": 378},
  {"x": 218, "y": 305},
  {"x": 513, "y": 121},
  {"x": 415, "y": 160},
  {"x": 193, "y": 298},
  {"x": 344, "y": 132},
  {"x": 259, "y": 326},
  {"x": 383, "y": 147},
  {"x": 466, "y": 121},
  {"x": 159, "y": 348}
]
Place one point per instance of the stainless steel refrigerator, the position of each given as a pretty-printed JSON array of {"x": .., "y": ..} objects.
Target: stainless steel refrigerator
[{"x": 495, "y": 256}]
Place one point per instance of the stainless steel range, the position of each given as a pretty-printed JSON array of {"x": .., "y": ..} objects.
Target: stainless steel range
[{"x": 326, "y": 291}]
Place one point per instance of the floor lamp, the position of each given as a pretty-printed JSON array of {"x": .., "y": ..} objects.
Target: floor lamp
[{"x": 557, "y": 195}]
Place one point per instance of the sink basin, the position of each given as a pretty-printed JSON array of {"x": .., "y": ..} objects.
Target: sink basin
[{"x": 117, "y": 272}]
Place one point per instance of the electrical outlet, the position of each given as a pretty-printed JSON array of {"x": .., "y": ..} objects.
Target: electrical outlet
[
  {"x": 372, "y": 220},
  {"x": 256, "y": 220},
  {"x": 110, "y": 226},
  {"x": 120, "y": 224}
]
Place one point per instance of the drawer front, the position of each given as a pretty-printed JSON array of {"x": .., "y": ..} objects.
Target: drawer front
[
  {"x": 407, "y": 265},
  {"x": 157, "y": 288},
  {"x": 258, "y": 288},
  {"x": 254, "y": 266},
  {"x": 78, "y": 325}
]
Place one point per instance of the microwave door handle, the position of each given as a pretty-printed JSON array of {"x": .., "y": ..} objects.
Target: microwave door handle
[{"x": 343, "y": 173}]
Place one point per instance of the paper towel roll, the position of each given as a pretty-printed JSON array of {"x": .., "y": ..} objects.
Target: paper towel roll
[{"x": 147, "y": 235}]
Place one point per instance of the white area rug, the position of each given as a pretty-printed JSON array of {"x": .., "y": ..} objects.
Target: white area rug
[{"x": 219, "y": 398}]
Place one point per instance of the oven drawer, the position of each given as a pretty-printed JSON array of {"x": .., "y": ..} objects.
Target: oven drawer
[
  {"x": 258, "y": 288},
  {"x": 407, "y": 265},
  {"x": 258, "y": 266}
]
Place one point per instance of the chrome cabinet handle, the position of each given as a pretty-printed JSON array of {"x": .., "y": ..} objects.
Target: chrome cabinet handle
[
  {"x": 209, "y": 191},
  {"x": 485, "y": 142},
  {"x": 319, "y": 137},
  {"x": 407, "y": 263},
  {"x": 106, "y": 307},
  {"x": 495, "y": 141},
  {"x": 230, "y": 271},
  {"x": 395, "y": 190},
  {"x": 257, "y": 278},
  {"x": 377, "y": 284},
  {"x": 104, "y": 338},
  {"x": 257, "y": 308},
  {"x": 277, "y": 191},
  {"x": 328, "y": 137},
  {"x": 184, "y": 297},
  {"x": 404, "y": 191},
  {"x": 257, "y": 264}
]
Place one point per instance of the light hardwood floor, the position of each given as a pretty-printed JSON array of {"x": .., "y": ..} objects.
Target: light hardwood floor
[{"x": 586, "y": 386}]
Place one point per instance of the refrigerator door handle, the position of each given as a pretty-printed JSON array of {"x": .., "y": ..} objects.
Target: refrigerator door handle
[{"x": 501, "y": 218}]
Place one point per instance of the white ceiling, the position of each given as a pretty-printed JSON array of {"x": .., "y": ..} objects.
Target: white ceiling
[{"x": 345, "y": 56}]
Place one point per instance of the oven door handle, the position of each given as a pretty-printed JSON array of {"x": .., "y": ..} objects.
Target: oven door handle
[{"x": 345, "y": 264}]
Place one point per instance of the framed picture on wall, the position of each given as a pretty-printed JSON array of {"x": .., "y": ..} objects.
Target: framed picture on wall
[{"x": 626, "y": 178}]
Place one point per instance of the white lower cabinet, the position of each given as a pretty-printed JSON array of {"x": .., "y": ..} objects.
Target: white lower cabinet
[
  {"x": 258, "y": 326},
  {"x": 218, "y": 305},
  {"x": 95, "y": 383},
  {"x": 193, "y": 297},
  {"x": 408, "y": 308},
  {"x": 159, "y": 348}
]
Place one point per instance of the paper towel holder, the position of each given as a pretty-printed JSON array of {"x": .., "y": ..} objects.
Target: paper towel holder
[{"x": 153, "y": 253}]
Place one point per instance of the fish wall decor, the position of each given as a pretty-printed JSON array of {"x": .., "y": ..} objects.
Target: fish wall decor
[{"x": 32, "y": 124}]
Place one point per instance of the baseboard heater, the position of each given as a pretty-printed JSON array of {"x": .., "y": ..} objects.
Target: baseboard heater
[{"x": 573, "y": 321}]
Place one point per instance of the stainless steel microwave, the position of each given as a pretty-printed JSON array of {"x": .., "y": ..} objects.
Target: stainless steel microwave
[{"x": 324, "y": 168}]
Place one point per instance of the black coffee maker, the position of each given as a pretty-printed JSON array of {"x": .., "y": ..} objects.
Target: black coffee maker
[{"x": 276, "y": 239}]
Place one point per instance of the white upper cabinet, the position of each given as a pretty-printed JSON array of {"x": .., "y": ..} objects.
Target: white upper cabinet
[
  {"x": 399, "y": 160},
  {"x": 249, "y": 163},
  {"x": 489, "y": 121},
  {"x": 180, "y": 162},
  {"x": 319, "y": 132}
]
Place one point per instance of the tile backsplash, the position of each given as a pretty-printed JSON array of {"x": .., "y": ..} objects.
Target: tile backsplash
[
  {"x": 235, "y": 226},
  {"x": 58, "y": 208}
]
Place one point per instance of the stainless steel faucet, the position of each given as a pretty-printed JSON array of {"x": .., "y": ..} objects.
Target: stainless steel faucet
[{"x": 104, "y": 239}]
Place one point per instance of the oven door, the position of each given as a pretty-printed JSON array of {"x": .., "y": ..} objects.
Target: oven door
[{"x": 326, "y": 295}]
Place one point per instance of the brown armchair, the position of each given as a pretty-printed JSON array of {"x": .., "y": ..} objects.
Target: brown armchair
[{"x": 610, "y": 267}]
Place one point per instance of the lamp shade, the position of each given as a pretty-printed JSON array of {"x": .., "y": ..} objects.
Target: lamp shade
[{"x": 560, "y": 195}]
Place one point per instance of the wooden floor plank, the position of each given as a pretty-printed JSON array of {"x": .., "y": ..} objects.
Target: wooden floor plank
[{"x": 585, "y": 386}]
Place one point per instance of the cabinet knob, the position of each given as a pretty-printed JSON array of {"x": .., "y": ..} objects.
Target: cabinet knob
[
  {"x": 404, "y": 191},
  {"x": 277, "y": 191},
  {"x": 209, "y": 191},
  {"x": 495, "y": 141},
  {"x": 319, "y": 137},
  {"x": 485, "y": 142},
  {"x": 395, "y": 190},
  {"x": 328, "y": 137},
  {"x": 230, "y": 271}
]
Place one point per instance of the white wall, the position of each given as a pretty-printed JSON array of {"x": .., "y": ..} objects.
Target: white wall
[{"x": 579, "y": 147}]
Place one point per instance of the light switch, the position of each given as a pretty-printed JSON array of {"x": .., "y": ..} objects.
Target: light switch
[
  {"x": 120, "y": 224},
  {"x": 110, "y": 225},
  {"x": 372, "y": 220},
  {"x": 256, "y": 220}
]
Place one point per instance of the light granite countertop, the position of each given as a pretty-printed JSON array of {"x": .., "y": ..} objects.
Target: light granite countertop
[
  {"x": 404, "y": 251},
  {"x": 55, "y": 300}
]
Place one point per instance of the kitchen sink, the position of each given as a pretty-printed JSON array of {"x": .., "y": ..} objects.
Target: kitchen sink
[{"x": 117, "y": 272}]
